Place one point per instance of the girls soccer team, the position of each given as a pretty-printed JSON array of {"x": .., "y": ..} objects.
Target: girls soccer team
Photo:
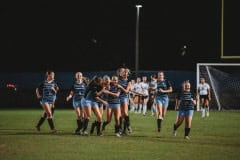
[{"x": 113, "y": 93}]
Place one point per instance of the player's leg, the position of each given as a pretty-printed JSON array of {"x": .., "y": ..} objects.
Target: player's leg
[
  {"x": 207, "y": 107},
  {"x": 79, "y": 120},
  {"x": 117, "y": 113},
  {"x": 188, "y": 123},
  {"x": 202, "y": 106},
  {"x": 98, "y": 115},
  {"x": 109, "y": 117},
  {"x": 179, "y": 120},
  {"x": 41, "y": 120},
  {"x": 145, "y": 100},
  {"x": 87, "y": 111},
  {"x": 47, "y": 108},
  {"x": 159, "y": 113}
]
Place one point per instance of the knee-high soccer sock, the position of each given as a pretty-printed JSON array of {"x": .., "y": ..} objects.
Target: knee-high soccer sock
[
  {"x": 159, "y": 124},
  {"x": 121, "y": 122},
  {"x": 144, "y": 109},
  {"x": 127, "y": 119},
  {"x": 93, "y": 127},
  {"x": 187, "y": 131},
  {"x": 85, "y": 124},
  {"x": 51, "y": 124},
  {"x": 98, "y": 124},
  {"x": 207, "y": 111},
  {"x": 203, "y": 111},
  {"x": 52, "y": 110},
  {"x": 175, "y": 127},
  {"x": 40, "y": 122},
  {"x": 140, "y": 108},
  {"x": 79, "y": 125},
  {"x": 136, "y": 107},
  {"x": 105, "y": 123},
  {"x": 116, "y": 128}
]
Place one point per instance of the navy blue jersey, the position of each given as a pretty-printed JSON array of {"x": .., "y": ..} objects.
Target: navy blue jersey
[
  {"x": 78, "y": 90},
  {"x": 91, "y": 93},
  {"x": 45, "y": 89},
  {"x": 124, "y": 84},
  {"x": 112, "y": 99},
  {"x": 185, "y": 100},
  {"x": 164, "y": 85}
]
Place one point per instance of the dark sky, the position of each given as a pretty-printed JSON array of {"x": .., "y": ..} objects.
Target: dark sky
[{"x": 100, "y": 35}]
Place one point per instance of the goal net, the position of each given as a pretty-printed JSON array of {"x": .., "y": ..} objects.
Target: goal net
[{"x": 224, "y": 80}]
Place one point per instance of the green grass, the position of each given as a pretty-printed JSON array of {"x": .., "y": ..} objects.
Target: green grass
[{"x": 216, "y": 137}]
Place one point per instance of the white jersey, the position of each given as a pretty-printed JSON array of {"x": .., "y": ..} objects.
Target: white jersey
[
  {"x": 144, "y": 87},
  {"x": 203, "y": 88},
  {"x": 137, "y": 87}
]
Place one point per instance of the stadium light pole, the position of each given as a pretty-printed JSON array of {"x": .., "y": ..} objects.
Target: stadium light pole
[{"x": 137, "y": 41}]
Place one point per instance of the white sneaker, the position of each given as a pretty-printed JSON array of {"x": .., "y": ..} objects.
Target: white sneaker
[{"x": 186, "y": 137}]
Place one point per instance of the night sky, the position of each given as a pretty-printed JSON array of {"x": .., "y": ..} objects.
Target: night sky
[{"x": 100, "y": 35}]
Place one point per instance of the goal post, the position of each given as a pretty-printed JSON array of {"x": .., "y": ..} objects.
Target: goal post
[{"x": 224, "y": 81}]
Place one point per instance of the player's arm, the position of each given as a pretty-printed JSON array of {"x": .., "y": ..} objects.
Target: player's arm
[
  {"x": 105, "y": 103},
  {"x": 111, "y": 93},
  {"x": 177, "y": 104},
  {"x": 70, "y": 95},
  {"x": 169, "y": 88},
  {"x": 127, "y": 89},
  {"x": 136, "y": 93},
  {"x": 209, "y": 94},
  {"x": 38, "y": 93},
  {"x": 177, "y": 101}
]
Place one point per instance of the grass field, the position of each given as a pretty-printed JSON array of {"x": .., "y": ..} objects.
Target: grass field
[{"x": 216, "y": 137}]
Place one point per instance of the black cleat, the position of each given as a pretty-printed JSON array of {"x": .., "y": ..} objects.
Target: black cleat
[{"x": 38, "y": 128}]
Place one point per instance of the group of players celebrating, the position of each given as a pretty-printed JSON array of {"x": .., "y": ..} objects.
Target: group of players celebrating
[{"x": 114, "y": 93}]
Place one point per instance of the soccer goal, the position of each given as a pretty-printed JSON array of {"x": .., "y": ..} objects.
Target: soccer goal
[{"x": 224, "y": 80}]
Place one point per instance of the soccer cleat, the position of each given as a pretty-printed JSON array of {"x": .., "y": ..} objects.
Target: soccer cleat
[
  {"x": 84, "y": 133},
  {"x": 100, "y": 134},
  {"x": 159, "y": 129},
  {"x": 38, "y": 128},
  {"x": 174, "y": 133},
  {"x": 77, "y": 132},
  {"x": 53, "y": 130},
  {"x": 118, "y": 134},
  {"x": 186, "y": 137},
  {"x": 129, "y": 129}
]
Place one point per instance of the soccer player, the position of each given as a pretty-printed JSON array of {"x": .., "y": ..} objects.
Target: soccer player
[
  {"x": 113, "y": 100},
  {"x": 54, "y": 99},
  {"x": 185, "y": 102},
  {"x": 204, "y": 96},
  {"x": 90, "y": 103},
  {"x": 46, "y": 93},
  {"x": 164, "y": 87},
  {"x": 145, "y": 94},
  {"x": 77, "y": 92},
  {"x": 137, "y": 99},
  {"x": 132, "y": 96},
  {"x": 125, "y": 86},
  {"x": 152, "y": 93}
]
